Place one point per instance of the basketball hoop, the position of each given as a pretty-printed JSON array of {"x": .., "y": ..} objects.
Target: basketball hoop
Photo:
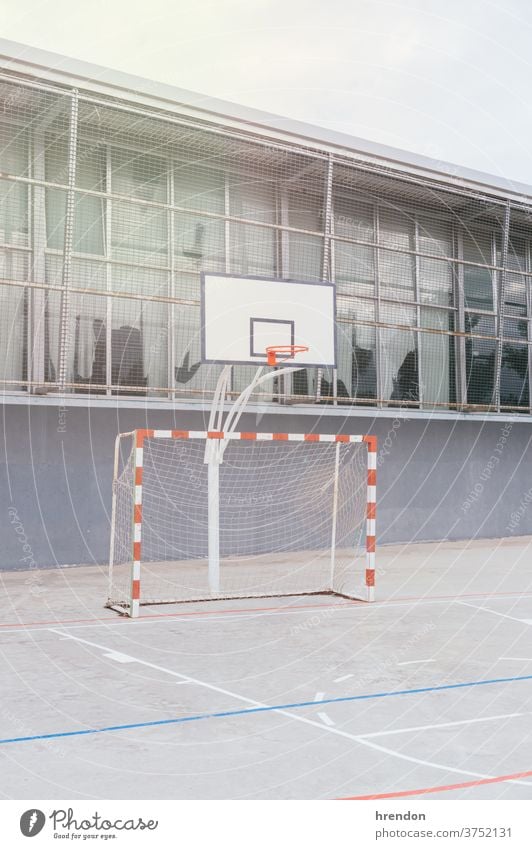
[{"x": 285, "y": 351}]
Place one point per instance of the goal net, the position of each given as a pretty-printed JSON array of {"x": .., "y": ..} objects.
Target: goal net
[{"x": 285, "y": 514}]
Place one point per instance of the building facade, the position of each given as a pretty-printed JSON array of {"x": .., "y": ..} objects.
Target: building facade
[{"x": 117, "y": 193}]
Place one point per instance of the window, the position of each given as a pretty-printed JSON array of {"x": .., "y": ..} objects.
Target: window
[
  {"x": 354, "y": 264},
  {"x": 437, "y": 359},
  {"x": 199, "y": 239},
  {"x": 89, "y": 215},
  {"x": 305, "y": 252},
  {"x": 435, "y": 275},
  {"x": 139, "y": 231},
  {"x": 253, "y": 249},
  {"x": 396, "y": 270},
  {"x": 514, "y": 388},
  {"x": 400, "y": 378},
  {"x": 480, "y": 359},
  {"x": 356, "y": 350},
  {"x": 478, "y": 282}
]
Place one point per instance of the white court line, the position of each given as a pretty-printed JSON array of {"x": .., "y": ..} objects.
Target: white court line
[
  {"x": 409, "y": 662},
  {"x": 326, "y": 719},
  {"x": 524, "y": 659},
  {"x": 343, "y": 678},
  {"x": 319, "y": 697},
  {"x": 495, "y": 612},
  {"x": 296, "y": 717},
  {"x": 16, "y": 628},
  {"x": 442, "y": 725}
]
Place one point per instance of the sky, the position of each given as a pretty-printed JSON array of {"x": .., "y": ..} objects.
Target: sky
[{"x": 450, "y": 79}]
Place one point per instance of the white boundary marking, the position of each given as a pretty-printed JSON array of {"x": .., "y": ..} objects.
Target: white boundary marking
[
  {"x": 325, "y": 719},
  {"x": 296, "y": 717},
  {"x": 442, "y": 725},
  {"x": 495, "y": 613},
  {"x": 524, "y": 659},
  {"x": 432, "y": 764},
  {"x": 409, "y": 662}
]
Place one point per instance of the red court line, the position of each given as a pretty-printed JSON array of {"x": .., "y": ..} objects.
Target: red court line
[
  {"x": 114, "y": 619},
  {"x": 442, "y": 788}
]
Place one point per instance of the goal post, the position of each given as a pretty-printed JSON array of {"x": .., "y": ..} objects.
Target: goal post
[{"x": 279, "y": 514}]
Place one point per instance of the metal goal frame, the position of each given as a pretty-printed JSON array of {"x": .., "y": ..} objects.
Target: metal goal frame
[{"x": 139, "y": 437}]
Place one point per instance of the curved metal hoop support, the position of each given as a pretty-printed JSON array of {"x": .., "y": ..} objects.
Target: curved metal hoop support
[
  {"x": 215, "y": 450},
  {"x": 214, "y": 454}
]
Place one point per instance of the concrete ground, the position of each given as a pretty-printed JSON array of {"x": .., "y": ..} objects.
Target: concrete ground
[{"x": 428, "y": 690}]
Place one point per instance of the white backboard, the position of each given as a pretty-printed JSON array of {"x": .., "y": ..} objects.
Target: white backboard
[{"x": 242, "y": 316}]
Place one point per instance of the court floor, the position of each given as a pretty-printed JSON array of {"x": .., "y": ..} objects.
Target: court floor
[{"x": 426, "y": 691}]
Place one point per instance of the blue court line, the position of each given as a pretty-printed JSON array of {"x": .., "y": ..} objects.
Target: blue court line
[{"x": 266, "y": 709}]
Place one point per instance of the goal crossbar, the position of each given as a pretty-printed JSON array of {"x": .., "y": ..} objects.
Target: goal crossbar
[{"x": 159, "y": 514}]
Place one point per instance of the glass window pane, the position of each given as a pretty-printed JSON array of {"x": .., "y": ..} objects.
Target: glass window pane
[
  {"x": 515, "y": 295},
  {"x": 139, "y": 175},
  {"x": 139, "y": 234},
  {"x": 396, "y": 229},
  {"x": 305, "y": 257},
  {"x": 435, "y": 276},
  {"x": 139, "y": 345},
  {"x": 515, "y": 329},
  {"x": 87, "y": 274},
  {"x": 396, "y": 270},
  {"x": 396, "y": 275},
  {"x": 87, "y": 354},
  {"x": 478, "y": 281},
  {"x": 187, "y": 285},
  {"x": 397, "y": 314},
  {"x": 435, "y": 237},
  {"x": 12, "y": 335},
  {"x": 191, "y": 377},
  {"x": 437, "y": 360},
  {"x": 13, "y": 149},
  {"x": 517, "y": 253},
  {"x": 357, "y": 361},
  {"x": 198, "y": 187},
  {"x": 480, "y": 359},
  {"x": 435, "y": 281},
  {"x": 55, "y": 218},
  {"x": 252, "y": 250},
  {"x": 400, "y": 380},
  {"x": 354, "y": 269},
  {"x": 89, "y": 225},
  {"x": 13, "y": 213},
  {"x": 14, "y": 265},
  {"x": 51, "y": 340},
  {"x": 199, "y": 242},
  {"x": 250, "y": 198},
  {"x": 514, "y": 376},
  {"x": 305, "y": 252},
  {"x": 141, "y": 281},
  {"x": 89, "y": 211}
]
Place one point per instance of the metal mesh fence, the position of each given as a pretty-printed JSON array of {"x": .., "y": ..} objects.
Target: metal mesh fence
[{"x": 110, "y": 212}]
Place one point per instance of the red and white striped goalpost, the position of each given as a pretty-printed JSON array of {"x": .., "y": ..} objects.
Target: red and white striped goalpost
[{"x": 371, "y": 505}]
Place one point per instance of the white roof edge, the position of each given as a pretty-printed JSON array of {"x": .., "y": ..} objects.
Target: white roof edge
[{"x": 53, "y": 67}]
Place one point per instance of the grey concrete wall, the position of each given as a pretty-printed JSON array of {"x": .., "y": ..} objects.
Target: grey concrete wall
[{"x": 437, "y": 479}]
